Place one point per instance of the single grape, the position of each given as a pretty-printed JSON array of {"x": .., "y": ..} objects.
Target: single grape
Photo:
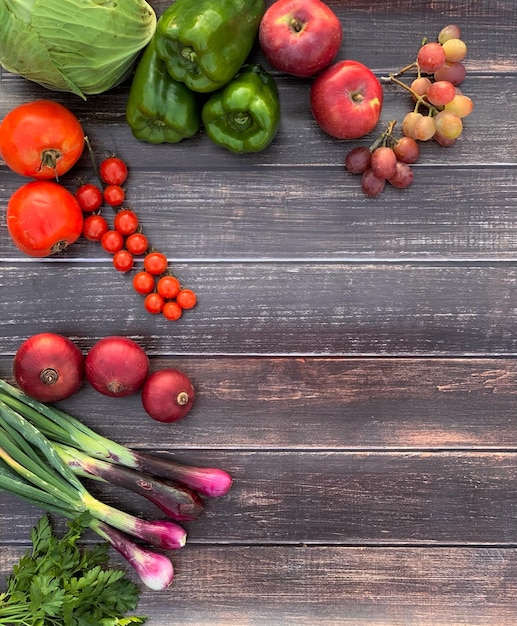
[
  {"x": 372, "y": 185},
  {"x": 453, "y": 72},
  {"x": 430, "y": 57},
  {"x": 403, "y": 176},
  {"x": 407, "y": 150},
  {"x": 455, "y": 50},
  {"x": 409, "y": 123},
  {"x": 448, "y": 124},
  {"x": 424, "y": 128},
  {"x": 421, "y": 85},
  {"x": 358, "y": 160},
  {"x": 461, "y": 105},
  {"x": 451, "y": 31},
  {"x": 384, "y": 162},
  {"x": 441, "y": 92}
]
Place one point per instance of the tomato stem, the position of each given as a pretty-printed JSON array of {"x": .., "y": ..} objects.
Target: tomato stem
[
  {"x": 49, "y": 158},
  {"x": 59, "y": 246},
  {"x": 92, "y": 157}
]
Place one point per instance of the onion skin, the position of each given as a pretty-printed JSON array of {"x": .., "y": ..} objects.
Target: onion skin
[
  {"x": 49, "y": 367},
  {"x": 116, "y": 366},
  {"x": 167, "y": 395}
]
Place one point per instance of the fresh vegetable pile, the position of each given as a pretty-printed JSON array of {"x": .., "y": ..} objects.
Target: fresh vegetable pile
[
  {"x": 193, "y": 71},
  {"x": 200, "y": 49},
  {"x": 43, "y": 451}
]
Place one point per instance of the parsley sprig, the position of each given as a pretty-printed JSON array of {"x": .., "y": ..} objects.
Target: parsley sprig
[{"x": 58, "y": 583}]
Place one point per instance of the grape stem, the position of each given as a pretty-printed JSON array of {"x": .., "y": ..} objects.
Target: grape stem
[
  {"x": 392, "y": 78},
  {"x": 384, "y": 137},
  {"x": 405, "y": 69}
]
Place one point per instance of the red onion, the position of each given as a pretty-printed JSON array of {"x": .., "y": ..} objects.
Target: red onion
[
  {"x": 116, "y": 366},
  {"x": 167, "y": 395},
  {"x": 49, "y": 367}
]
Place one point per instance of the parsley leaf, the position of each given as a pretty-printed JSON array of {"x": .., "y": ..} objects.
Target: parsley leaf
[{"x": 58, "y": 583}]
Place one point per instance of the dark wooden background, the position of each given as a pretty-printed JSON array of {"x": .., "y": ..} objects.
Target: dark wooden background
[{"x": 355, "y": 359}]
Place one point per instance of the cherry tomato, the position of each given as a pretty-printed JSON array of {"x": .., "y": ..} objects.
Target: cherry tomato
[
  {"x": 112, "y": 241},
  {"x": 172, "y": 310},
  {"x": 41, "y": 139},
  {"x": 186, "y": 298},
  {"x": 155, "y": 263},
  {"x": 168, "y": 287},
  {"x": 113, "y": 171},
  {"x": 123, "y": 260},
  {"x": 137, "y": 243},
  {"x": 154, "y": 303},
  {"x": 43, "y": 218},
  {"x": 114, "y": 195},
  {"x": 125, "y": 221},
  {"x": 89, "y": 197},
  {"x": 143, "y": 282},
  {"x": 94, "y": 227}
]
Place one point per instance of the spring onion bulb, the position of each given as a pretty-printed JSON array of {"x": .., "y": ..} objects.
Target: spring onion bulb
[{"x": 155, "y": 570}]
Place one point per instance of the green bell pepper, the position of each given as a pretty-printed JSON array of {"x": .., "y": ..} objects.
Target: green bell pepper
[
  {"x": 244, "y": 116},
  {"x": 160, "y": 109},
  {"x": 205, "y": 42}
]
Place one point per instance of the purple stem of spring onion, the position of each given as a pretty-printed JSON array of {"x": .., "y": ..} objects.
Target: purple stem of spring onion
[
  {"x": 209, "y": 481},
  {"x": 155, "y": 570},
  {"x": 177, "y": 501},
  {"x": 159, "y": 533}
]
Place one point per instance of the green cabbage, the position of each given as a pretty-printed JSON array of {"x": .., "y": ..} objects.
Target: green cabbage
[{"x": 79, "y": 46}]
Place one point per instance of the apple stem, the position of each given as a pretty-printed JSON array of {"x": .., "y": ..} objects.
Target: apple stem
[{"x": 296, "y": 26}]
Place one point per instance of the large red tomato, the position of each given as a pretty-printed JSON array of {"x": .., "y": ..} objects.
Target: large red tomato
[
  {"x": 41, "y": 139},
  {"x": 43, "y": 218}
]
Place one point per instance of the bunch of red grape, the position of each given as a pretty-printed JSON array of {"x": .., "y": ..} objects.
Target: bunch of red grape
[
  {"x": 438, "y": 112},
  {"x": 389, "y": 159}
]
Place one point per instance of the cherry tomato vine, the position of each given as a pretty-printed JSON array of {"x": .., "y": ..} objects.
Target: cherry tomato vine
[{"x": 125, "y": 240}]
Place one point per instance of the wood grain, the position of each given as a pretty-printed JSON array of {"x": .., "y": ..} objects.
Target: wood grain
[
  {"x": 333, "y": 309},
  {"x": 338, "y": 586},
  {"x": 332, "y": 404},
  {"x": 391, "y": 498}
]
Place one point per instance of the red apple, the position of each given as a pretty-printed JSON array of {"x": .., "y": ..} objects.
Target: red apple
[
  {"x": 346, "y": 100},
  {"x": 300, "y": 37}
]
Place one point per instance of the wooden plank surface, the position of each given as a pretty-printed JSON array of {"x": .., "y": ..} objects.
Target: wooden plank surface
[
  {"x": 354, "y": 359},
  {"x": 337, "y": 585}
]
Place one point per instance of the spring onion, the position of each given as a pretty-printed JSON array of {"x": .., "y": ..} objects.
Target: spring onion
[
  {"x": 62, "y": 428},
  {"x": 31, "y": 468},
  {"x": 16, "y": 432},
  {"x": 176, "y": 501}
]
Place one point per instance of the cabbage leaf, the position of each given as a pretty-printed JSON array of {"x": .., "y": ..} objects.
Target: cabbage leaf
[{"x": 79, "y": 46}]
